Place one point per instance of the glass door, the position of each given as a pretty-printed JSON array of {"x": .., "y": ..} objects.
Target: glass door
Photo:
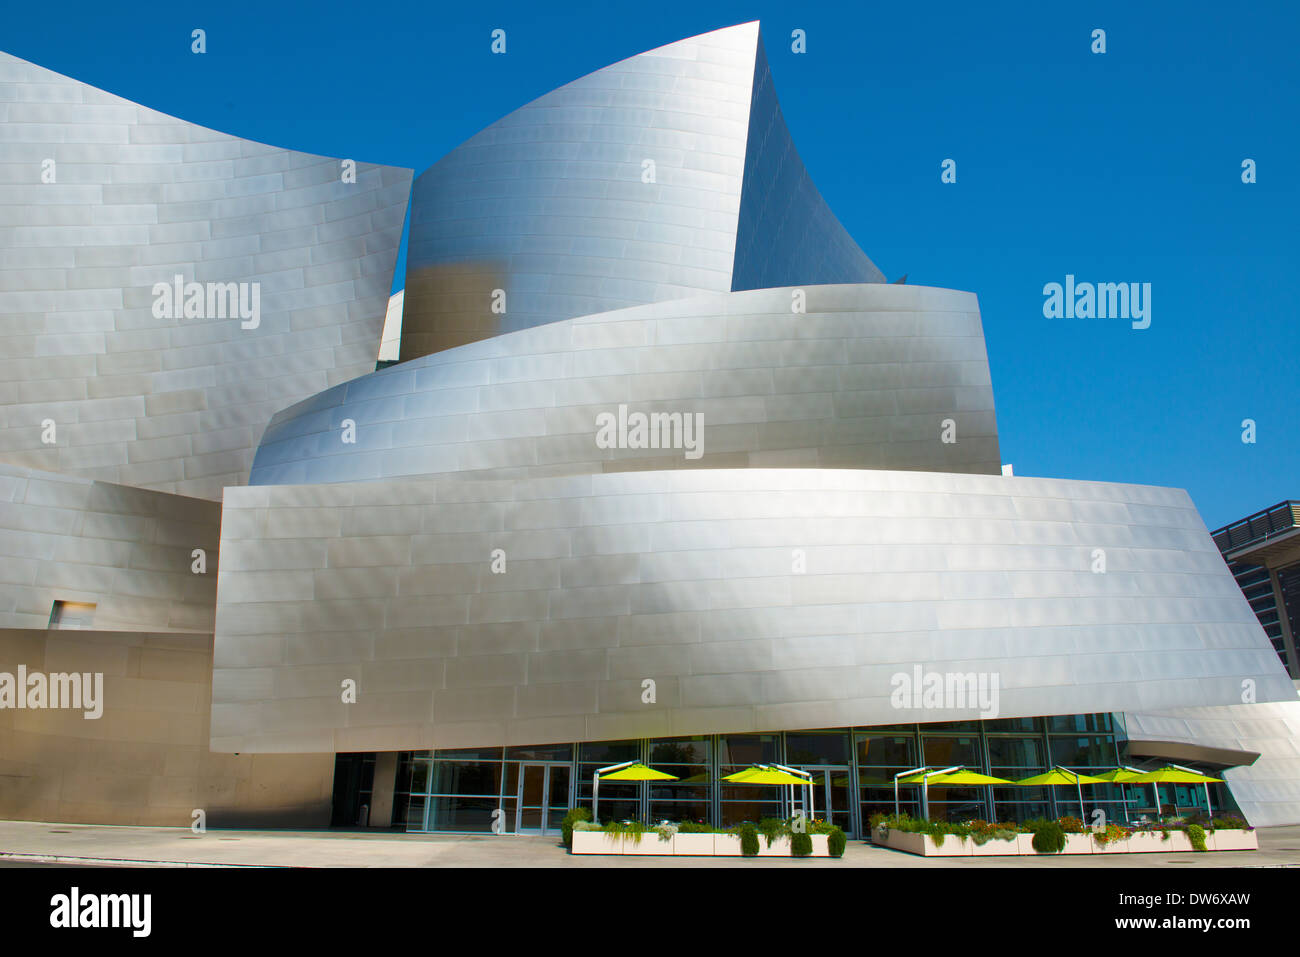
[
  {"x": 833, "y": 797},
  {"x": 543, "y": 797}
]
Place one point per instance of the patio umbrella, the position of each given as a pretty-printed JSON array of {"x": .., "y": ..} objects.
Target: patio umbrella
[
  {"x": 627, "y": 771},
  {"x": 1122, "y": 776},
  {"x": 1059, "y": 776},
  {"x": 777, "y": 774},
  {"x": 1173, "y": 774},
  {"x": 949, "y": 777}
]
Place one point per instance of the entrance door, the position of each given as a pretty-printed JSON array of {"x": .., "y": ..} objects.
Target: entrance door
[
  {"x": 833, "y": 794},
  {"x": 543, "y": 798}
]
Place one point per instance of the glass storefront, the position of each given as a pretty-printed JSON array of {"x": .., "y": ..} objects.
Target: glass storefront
[{"x": 529, "y": 789}]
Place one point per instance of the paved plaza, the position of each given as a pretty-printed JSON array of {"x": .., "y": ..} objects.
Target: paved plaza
[{"x": 25, "y": 842}]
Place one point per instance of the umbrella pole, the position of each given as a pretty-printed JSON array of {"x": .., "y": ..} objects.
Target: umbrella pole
[
  {"x": 1079, "y": 787},
  {"x": 595, "y": 797}
]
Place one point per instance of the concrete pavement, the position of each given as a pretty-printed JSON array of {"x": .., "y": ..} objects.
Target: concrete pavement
[{"x": 34, "y": 842}]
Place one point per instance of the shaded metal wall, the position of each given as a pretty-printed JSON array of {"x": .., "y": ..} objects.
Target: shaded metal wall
[{"x": 128, "y": 551}]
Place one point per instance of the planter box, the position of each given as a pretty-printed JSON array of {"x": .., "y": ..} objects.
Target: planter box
[
  {"x": 1232, "y": 840},
  {"x": 596, "y": 842},
  {"x": 696, "y": 845},
  {"x": 996, "y": 847},
  {"x": 780, "y": 847},
  {"x": 726, "y": 845},
  {"x": 649, "y": 845},
  {"x": 1139, "y": 843},
  {"x": 693, "y": 845},
  {"x": 1145, "y": 843}
]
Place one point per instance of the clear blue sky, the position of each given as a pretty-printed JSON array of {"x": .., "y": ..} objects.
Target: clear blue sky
[{"x": 1119, "y": 167}]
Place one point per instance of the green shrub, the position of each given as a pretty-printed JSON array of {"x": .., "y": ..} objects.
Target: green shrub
[
  {"x": 937, "y": 837},
  {"x": 748, "y": 840},
  {"x": 836, "y": 842},
  {"x": 626, "y": 829},
  {"x": 693, "y": 827},
  {"x": 800, "y": 844},
  {"x": 1229, "y": 822},
  {"x": 1049, "y": 838},
  {"x": 772, "y": 828},
  {"x": 566, "y": 826},
  {"x": 1196, "y": 834}
]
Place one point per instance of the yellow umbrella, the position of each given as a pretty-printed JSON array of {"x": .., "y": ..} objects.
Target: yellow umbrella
[
  {"x": 1119, "y": 776},
  {"x": 637, "y": 772},
  {"x": 1061, "y": 776},
  {"x": 1173, "y": 774},
  {"x": 627, "y": 771},
  {"x": 951, "y": 777},
  {"x": 962, "y": 777},
  {"x": 759, "y": 775},
  {"x": 774, "y": 774}
]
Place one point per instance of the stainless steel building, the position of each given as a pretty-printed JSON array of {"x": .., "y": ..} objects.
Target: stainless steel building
[{"x": 666, "y": 471}]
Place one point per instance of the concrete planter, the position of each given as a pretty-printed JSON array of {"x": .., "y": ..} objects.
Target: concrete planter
[
  {"x": 596, "y": 842},
  {"x": 1232, "y": 840},
  {"x": 696, "y": 845},
  {"x": 1138, "y": 843},
  {"x": 996, "y": 847},
  {"x": 726, "y": 845},
  {"x": 1144, "y": 842},
  {"x": 780, "y": 847},
  {"x": 687, "y": 845}
]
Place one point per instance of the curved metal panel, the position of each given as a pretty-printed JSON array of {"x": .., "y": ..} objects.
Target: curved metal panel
[
  {"x": 866, "y": 378},
  {"x": 663, "y": 176},
  {"x": 1268, "y": 790},
  {"x": 523, "y": 612},
  {"x": 127, "y": 551},
  {"x": 786, "y": 234},
  {"x": 137, "y": 198}
]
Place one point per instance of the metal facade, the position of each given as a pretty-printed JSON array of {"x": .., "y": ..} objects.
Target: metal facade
[{"x": 138, "y": 198}]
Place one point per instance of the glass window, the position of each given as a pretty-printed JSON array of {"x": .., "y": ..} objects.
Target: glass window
[
  {"x": 695, "y": 750},
  {"x": 816, "y": 747},
  {"x": 1079, "y": 722},
  {"x": 951, "y": 726},
  {"x": 945, "y": 750},
  {"x": 1014, "y": 724},
  {"x": 896, "y": 751},
  {"x": 467, "y": 777},
  {"x": 1016, "y": 753},
  {"x": 1093, "y": 751},
  {"x": 542, "y": 752},
  {"x": 471, "y": 754},
  {"x": 605, "y": 753},
  {"x": 743, "y": 750}
]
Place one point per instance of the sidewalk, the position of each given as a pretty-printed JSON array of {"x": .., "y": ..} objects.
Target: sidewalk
[{"x": 24, "y": 841}]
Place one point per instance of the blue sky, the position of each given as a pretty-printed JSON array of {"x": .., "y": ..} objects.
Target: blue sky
[{"x": 1117, "y": 167}]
